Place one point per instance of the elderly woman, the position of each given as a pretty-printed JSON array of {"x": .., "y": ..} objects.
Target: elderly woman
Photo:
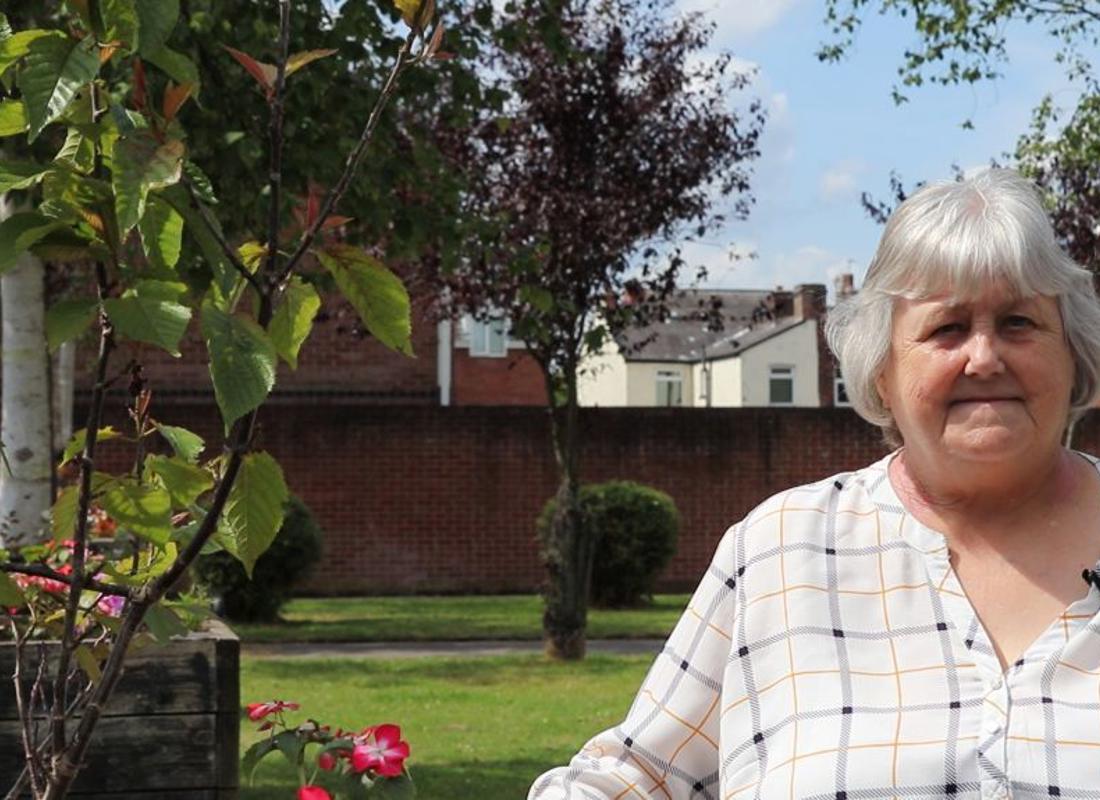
[{"x": 917, "y": 628}]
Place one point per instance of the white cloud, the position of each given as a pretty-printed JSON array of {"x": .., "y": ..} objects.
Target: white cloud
[
  {"x": 839, "y": 182},
  {"x": 740, "y": 19}
]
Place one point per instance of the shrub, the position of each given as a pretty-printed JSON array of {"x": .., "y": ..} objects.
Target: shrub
[
  {"x": 636, "y": 528},
  {"x": 297, "y": 547}
]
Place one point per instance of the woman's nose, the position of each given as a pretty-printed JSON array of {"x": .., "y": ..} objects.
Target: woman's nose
[{"x": 983, "y": 357}]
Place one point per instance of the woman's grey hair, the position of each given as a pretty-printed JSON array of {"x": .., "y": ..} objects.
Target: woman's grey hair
[{"x": 960, "y": 237}]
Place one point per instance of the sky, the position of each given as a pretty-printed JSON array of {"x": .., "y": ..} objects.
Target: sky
[{"x": 833, "y": 131}]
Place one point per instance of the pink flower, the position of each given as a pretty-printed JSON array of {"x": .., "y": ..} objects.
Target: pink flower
[
  {"x": 326, "y": 761},
  {"x": 111, "y": 604},
  {"x": 313, "y": 793},
  {"x": 385, "y": 755},
  {"x": 257, "y": 711}
]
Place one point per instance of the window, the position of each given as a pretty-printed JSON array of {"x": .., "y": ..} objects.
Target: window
[
  {"x": 670, "y": 388},
  {"x": 780, "y": 386},
  {"x": 489, "y": 338},
  {"x": 840, "y": 393}
]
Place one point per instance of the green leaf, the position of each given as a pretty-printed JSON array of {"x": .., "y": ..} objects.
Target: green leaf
[
  {"x": 177, "y": 66},
  {"x": 63, "y": 514},
  {"x": 290, "y": 745},
  {"x": 144, "y": 314},
  {"x": 144, "y": 510},
  {"x": 69, "y": 195},
  {"x": 242, "y": 361},
  {"x": 10, "y": 596},
  {"x": 163, "y": 623},
  {"x": 65, "y": 246},
  {"x": 200, "y": 183},
  {"x": 254, "y": 511},
  {"x": 56, "y": 68},
  {"x": 254, "y": 755},
  {"x": 293, "y": 320},
  {"x": 68, "y": 319},
  {"x": 76, "y": 443},
  {"x": 18, "y": 232},
  {"x": 156, "y": 19},
  {"x": 78, "y": 151},
  {"x": 88, "y": 662},
  {"x": 20, "y": 174},
  {"x": 142, "y": 164},
  {"x": 186, "y": 444},
  {"x": 120, "y": 21},
  {"x": 185, "y": 482},
  {"x": 225, "y": 276},
  {"x": 17, "y": 45},
  {"x": 13, "y": 118},
  {"x": 375, "y": 292},
  {"x": 399, "y": 788},
  {"x": 161, "y": 230}
]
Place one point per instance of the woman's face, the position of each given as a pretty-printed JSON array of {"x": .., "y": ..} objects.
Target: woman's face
[{"x": 982, "y": 380}]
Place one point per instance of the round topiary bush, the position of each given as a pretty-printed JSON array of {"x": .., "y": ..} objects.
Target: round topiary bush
[
  {"x": 297, "y": 547},
  {"x": 636, "y": 528}
]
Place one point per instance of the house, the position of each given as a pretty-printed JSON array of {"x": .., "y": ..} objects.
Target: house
[{"x": 770, "y": 352}]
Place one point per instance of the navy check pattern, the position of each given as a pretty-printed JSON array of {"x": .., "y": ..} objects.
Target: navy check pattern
[{"x": 829, "y": 653}]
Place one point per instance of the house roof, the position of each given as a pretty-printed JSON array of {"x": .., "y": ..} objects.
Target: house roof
[{"x": 683, "y": 336}]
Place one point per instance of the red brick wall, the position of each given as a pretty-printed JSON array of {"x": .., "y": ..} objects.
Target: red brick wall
[
  {"x": 515, "y": 380},
  {"x": 422, "y": 499}
]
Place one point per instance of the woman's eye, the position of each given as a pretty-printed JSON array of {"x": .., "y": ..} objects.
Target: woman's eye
[
  {"x": 1018, "y": 322},
  {"x": 947, "y": 329}
]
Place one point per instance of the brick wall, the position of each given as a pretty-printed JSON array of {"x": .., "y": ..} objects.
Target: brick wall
[
  {"x": 515, "y": 380},
  {"x": 423, "y": 499}
]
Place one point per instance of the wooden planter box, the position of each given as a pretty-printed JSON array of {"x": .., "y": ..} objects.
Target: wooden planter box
[{"x": 170, "y": 732}]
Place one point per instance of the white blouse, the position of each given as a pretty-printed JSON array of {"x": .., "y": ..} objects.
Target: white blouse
[{"x": 830, "y": 653}]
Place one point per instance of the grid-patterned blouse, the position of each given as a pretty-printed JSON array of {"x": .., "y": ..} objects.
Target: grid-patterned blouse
[{"x": 830, "y": 653}]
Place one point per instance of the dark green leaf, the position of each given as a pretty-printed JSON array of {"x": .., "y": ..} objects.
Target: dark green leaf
[
  {"x": 242, "y": 361},
  {"x": 163, "y": 623},
  {"x": 146, "y": 314},
  {"x": 254, "y": 755},
  {"x": 10, "y": 596},
  {"x": 293, "y": 320},
  {"x": 120, "y": 21},
  {"x": 88, "y": 662},
  {"x": 290, "y": 745},
  {"x": 161, "y": 230},
  {"x": 18, "y": 232},
  {"x": 56, "y": 68},
  {"x": 142, "y": 164},
  {"x": 20, "y": 174},
  {"x": 78, "y": 151},
  {"x": 156, "y": 18},
  {"x": 375, "y": 292},
  {"x": 177, "y": 66},
  {"x": 254, "y": 510},
  {"x": 17, "y": 45},
  {"x": 68, "y": 319}
]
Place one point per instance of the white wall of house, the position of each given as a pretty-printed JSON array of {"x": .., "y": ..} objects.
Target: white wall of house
[
  {"x": 795, "y": 348},
  {"x": 603, "y": 378},
  {"x": 726, "y": 381},
  {"x": 642, "y": 382}
]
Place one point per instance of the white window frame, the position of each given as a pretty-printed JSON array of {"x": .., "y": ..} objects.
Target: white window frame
[
  {"x": 670, "y": 378},
  {"x": 778, "y": 371},
  {"x": 480, "y": 340}
]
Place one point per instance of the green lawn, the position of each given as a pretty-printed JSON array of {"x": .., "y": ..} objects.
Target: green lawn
[
  {"x": 479, "y": 728},
  {"x": 368, "y": 619}
]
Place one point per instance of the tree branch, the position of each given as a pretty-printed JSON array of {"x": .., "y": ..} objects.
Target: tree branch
[
  {"x": 275, "y": 137},
  {"x": 211, "y": 225},
  {"x": 351, "y": 166},
  {"x": 42, "y": 571}
]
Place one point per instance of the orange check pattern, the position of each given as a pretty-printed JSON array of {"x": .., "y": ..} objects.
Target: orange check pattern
[{"x": 830, "y": 653}]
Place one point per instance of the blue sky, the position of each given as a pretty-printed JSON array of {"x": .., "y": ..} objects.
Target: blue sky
[{"x": 834, "y": 131}]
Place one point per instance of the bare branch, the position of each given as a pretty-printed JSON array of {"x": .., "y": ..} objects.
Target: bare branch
[
  {"x": 351, "y": 166},
  {"x": 43, "y": 571}
]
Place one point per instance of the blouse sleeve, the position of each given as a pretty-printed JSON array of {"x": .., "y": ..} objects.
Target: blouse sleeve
[{"x": 667, "y": 747}]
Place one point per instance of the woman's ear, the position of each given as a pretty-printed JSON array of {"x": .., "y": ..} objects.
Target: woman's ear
[{"x": 881, "y": 387}]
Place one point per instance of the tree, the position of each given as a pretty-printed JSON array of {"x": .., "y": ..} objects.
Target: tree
[
  {"x": 119, "y": 193},
  {"x": 614, "y": 141},
  {"x": 965, "y": 42}
]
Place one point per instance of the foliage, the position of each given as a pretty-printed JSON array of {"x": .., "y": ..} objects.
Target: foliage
[
  {"x": 635, "y": 528},
  {"x": 100, "y": 98},
  {"x": 295, "y": 548},
  {"x": 612, "y": 140},
  {"x": 368, "y": 763}
]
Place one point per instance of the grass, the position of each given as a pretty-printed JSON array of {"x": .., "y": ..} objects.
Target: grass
[
  {"x": 375, "y": 619},
  {"x": 479, "y": 728}
]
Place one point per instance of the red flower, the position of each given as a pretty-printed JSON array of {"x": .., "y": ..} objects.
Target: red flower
[
  {"x": 385, "y": 755},
  {"x": 313, "y": 793},
  {"x": 326, "y": 761},
  {"x": 257, "y": 711}
]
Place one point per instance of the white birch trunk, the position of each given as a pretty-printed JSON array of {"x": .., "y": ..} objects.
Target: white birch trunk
[
  {"x": 25, "y": 491},
  {"x": 61, "y": 394}
]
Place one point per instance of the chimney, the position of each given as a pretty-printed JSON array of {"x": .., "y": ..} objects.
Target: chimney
[
  {"x": 781, "y": 303},
  {"x": 809, "y": 301},
  {"x": 844, "y": 286}
]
